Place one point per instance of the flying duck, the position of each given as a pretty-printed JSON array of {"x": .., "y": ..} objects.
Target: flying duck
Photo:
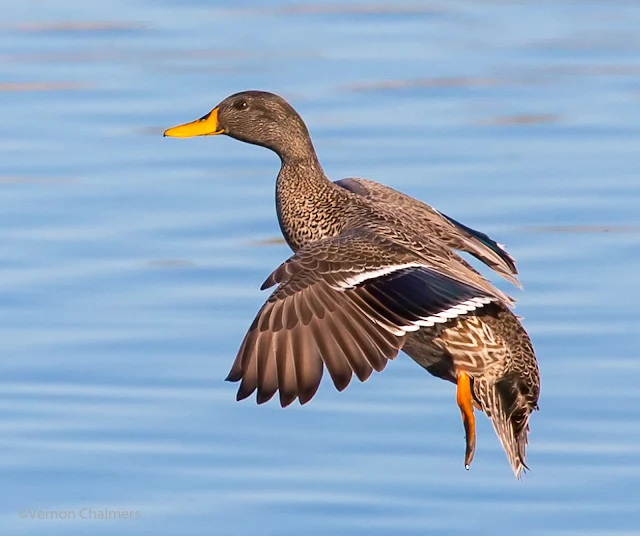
[{"x": 373, "y": 272}]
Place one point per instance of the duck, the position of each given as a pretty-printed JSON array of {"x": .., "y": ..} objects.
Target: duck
[{"x": 374, "y": 272}]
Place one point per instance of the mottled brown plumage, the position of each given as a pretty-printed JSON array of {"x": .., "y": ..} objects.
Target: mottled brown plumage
[
  {"x": 493, "y": 347},
  {"x": 374, "y": 271}
]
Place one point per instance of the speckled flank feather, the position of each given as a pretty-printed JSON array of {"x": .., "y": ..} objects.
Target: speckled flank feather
[
  {"x": 493, "y": 347},
  {"x": 374, "y": 271}
]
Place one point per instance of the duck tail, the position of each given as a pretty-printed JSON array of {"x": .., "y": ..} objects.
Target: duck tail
[{"x": 509, "y": 412}]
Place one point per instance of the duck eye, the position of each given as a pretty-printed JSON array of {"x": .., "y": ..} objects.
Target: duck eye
[{"x": 240, "y": 105}]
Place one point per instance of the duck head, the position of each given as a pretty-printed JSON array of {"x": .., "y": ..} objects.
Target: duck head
[{"x": 256, "y": 117}]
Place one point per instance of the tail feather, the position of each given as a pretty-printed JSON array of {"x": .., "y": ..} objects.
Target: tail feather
[{"x": 509, "y": 414}]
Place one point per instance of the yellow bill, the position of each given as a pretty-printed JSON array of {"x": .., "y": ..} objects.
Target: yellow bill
[{"x": 205, "y": 126}]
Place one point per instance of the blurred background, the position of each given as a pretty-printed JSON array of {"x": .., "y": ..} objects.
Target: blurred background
[{"x": 130, "y": 263}]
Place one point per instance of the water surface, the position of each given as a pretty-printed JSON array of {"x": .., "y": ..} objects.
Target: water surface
[{"x": 131, "y": 264}]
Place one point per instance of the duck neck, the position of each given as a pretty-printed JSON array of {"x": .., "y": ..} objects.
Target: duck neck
[
  {"x": 306, "y": 201},
  {"x": 301, "y": 175}
]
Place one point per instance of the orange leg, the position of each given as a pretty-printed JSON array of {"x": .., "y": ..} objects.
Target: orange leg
[{"x": 465, "y": 403}]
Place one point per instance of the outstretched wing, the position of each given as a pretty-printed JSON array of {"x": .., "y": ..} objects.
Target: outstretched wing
[
  {"x": 449, "y": 231},
  {"x": 505, "y": 265},
  {"x": 346, "y": 303}
]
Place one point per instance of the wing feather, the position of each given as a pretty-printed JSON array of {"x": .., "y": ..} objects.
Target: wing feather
[
  {"x": 437, "y": 225},
  {"x": 345, "y": 303}
]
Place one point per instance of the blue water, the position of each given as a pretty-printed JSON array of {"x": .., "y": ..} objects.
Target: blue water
[{"x": 130, "y": 263}]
